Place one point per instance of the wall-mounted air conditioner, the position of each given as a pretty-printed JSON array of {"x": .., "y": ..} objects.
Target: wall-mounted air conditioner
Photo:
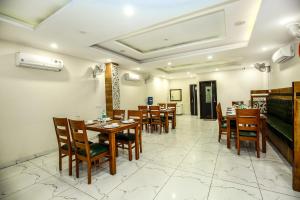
[
  {"x": 283, "y": 54},
  {"x": 38, "y": 62},
  {"x": 132, "y": 77}
]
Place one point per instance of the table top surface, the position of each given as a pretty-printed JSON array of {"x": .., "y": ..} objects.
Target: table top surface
[{"x": 97, "y": 126}]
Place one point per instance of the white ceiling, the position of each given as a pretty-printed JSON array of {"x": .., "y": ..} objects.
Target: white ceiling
[{"x": 183, "y": 32}]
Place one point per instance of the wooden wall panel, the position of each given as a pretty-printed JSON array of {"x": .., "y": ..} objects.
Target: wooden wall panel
[
  {"x": 108, "y": 89},
  {"x": 296, "y": 164}
]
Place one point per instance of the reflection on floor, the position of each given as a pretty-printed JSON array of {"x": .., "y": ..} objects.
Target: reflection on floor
[{"x": 187, "y": 163}]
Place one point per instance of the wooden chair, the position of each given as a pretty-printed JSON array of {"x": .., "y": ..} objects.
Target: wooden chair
[
  {"x": 162, "y": 105},
  {"x": 155, "y": 120},
  {"x": 146, "y": 119},
  {"x": 129, "y": 138},
  {"x": 221, "y": 121},
  {"x": 65, "y": 147},
  {"x": 84, "y": 151},
  {"x": 118, "y": 114},
  {"x": 154, "y": 108},
  {"x": 173, "y": 107},
  {"x": 247, "y": 124}
]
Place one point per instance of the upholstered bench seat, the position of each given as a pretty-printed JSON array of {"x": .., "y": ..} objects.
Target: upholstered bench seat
[{"x": 283, "y": 128}]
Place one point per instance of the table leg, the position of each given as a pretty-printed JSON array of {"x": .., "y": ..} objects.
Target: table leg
[
  {"x": 264, "y": 135},
  {"x": 137, "y": 143},
  {"x": 174, "y": 120},
  {"x": 228, "y": 133},
  {"x": 166, "y": 122},
  {"x": 112, "y": 151}
]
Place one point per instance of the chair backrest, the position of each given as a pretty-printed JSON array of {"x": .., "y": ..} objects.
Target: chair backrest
[
  {"x": 79, "y": 136},
  {"x": 118, "y": 114},
  {"x": 162, "y": 105},
  {"x": 247, "y": 119},
  {"x": 172, "y": 106},
  {"x": 219, "y": 114},
  {"x": 157, "y": 108},
  {"x": 142, "y": 107},
  {"x": 155, "y": 114},
  {"x": 237, "y": 103},
  {"x": 136, "y": 115},
  {"x": 62, "y": 132}
]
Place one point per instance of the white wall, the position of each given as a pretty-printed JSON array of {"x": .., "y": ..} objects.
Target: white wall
[
  {"x": 29, "y": 98},
  {"x": 231, "y": 86},
  {"x": 132, "y": 94},
  {"x": 158, "y": 88},
  {"x": 282, "y": 75}
]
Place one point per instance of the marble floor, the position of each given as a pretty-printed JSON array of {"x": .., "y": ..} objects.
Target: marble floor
[{"x": 187, "y": 163}]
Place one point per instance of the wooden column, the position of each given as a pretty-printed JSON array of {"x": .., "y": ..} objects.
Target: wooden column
[
  {"x": 296, "y": 163},
  {"x": 112, "y": 90},
  {"x": 108, "y": 89}
]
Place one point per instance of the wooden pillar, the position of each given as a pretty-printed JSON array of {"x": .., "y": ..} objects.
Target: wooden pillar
[
  {"x": 111, "y": 88},
  {"x": 296, "y": 163}
]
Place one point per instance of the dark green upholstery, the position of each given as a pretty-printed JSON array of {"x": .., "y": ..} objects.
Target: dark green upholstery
[
  {"x": 95, "y": 149},
  {"x": 224, "y": 124},
  {"x": 66, "y": 147},
  {"x": 125, "y": 137},
  {"x": 282, "y": 109},
  {"x": 283, "y": 128},
  {"x": 247, "y": 133}
]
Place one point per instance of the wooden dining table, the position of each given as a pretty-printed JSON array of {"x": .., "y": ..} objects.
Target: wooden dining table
[
  {"x": 263, "y": 118},
  {"x": 111, "y": 132}
]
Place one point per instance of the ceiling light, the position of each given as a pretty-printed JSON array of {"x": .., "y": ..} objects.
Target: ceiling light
[
  {"x": 169, "y": 63},
  {"x": 264, "y": 48},
  {"x": 209, "y": 57},
  {"x": 163, "y": 76},
  {"x": 53, "y": 46},
  {"x": 108, "y": 60},
  {"x": 188, "y": 73},
  {"x": 128, "y": 10},
  {"x": 286, "y": 20},
  {"x": 216, "y": 69},
  {"x": 138, "y": 68}
]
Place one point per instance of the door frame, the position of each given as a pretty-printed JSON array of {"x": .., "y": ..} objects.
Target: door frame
[
  {"x": 195, "y": 99},
  {"x": 214, "y": 114}
]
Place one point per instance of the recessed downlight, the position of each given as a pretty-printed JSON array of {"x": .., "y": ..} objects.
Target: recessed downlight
[
  {"x": 108, "y": 60},
  {"x": 53, "y": 45},
  {"x": 264, "y": 48},
  {"x": 216, "y": 69},
  {"x": 210, "y": 57},
  {"x": 138, "y": 68},
  {"x": 169, "y": 63},
  {"x": 128, "y": 10}
]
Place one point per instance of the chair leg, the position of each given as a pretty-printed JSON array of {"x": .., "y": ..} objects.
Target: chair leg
[
  {"x": 70, "y": 165},
  {"x": 117, "y": 151},
  {"x": 140, "y": 137},
  {"x": 257, "y": 148},
  {"x": 89, "y": 172},
  {"x": 238, "y": 147},
  {"x": 130, "y": 151},
  {"x": 160, "y": 127},
  {"x": 60, "y": 161},
  {"x": 77, "y": 167},
  {"x": 220, "y": 133}
]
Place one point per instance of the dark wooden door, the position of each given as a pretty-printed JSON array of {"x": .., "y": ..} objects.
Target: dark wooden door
[
  {"x": 193, "y": 99},
  {"x": 208, "y": 99}
]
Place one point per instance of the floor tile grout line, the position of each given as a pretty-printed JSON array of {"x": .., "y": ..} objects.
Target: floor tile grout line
[
  {"x": 175, "y": 169},
  {"x": 256, "y": 177},
  {"x": 213, "y": 174}
]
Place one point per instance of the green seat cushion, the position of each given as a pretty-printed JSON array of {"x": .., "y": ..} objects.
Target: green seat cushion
[
  {"x": 95, "y": 149},
  {"x": 224, "y": 125},
  {"x": 285, "y": 129},
  {"x": 248, "y": 133},
  {"x": 125, "y": 137},
  {"x": 66, "y": 147}
]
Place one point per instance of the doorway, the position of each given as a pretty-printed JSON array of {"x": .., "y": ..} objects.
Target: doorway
[
  {"x": 208, "y": 99},
  {"x": 193, "y": 99}
]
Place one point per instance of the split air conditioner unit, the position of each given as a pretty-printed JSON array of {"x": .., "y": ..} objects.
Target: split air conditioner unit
[
  {"x": 38, "y": 62},
  {"x": 283, "y": 54}
]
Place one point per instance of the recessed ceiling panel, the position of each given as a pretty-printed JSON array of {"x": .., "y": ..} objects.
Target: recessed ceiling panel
[
  {"x": 31, "y": 12},
  {"x": 198, "y": 29}
]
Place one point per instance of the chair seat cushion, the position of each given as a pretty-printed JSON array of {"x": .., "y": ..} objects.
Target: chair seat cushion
[
  {"x": 248, "y": 133},
  {"x": 125, "y": 137},
  {"x": 224, "y": 124},
  {"x": 95, "y": 149},
  {"x": 66, "y": 147}
]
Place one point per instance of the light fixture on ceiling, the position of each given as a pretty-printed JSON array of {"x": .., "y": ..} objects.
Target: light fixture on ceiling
[
  {"x": 264, "y": 48},
  {"x": 216, "y": 69},
  {"x": 169, "y": 63},
  {"x": 286, "y": 20},
  {"x": 108, "y": 60},
  {"x": 53, "y": 45},
  {"x": 210, "y": 57},
  {"x": 138, "y": 68},
  {"x": 294, "y": 29},
  {"x": 163, "y": 76},
  {"x": 98, "y": 69},
  {"x": 128, "y": 10}
]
